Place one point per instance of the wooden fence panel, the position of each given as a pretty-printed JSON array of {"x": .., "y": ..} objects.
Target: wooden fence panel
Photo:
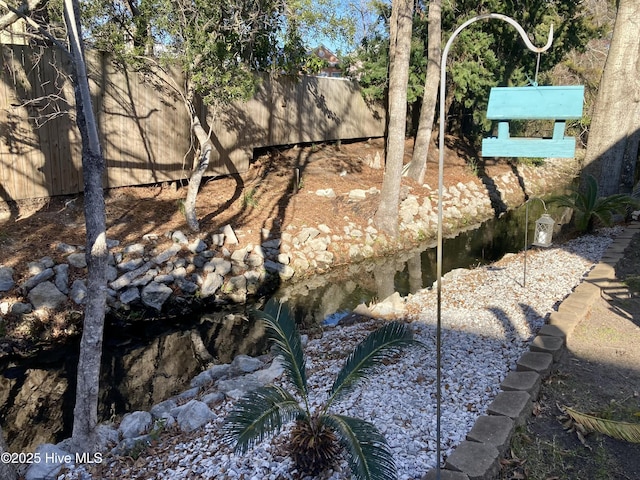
[{"x": 144, "y": 129}]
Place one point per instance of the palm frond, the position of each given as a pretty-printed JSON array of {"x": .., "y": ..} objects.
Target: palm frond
[
  {"x": 366, "y": 359},
  {"x": 618, "y": 202},
  {"x": 629, "y": 432},
  {"x": 367, "y": 451},
  {"x": 287, "y": 343},
  {"x": 587, "y": 206},
  {"x": 258, "y": 415}
]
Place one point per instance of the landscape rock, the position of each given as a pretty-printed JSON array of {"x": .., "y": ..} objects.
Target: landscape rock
[
  {"x": 77, "y": 260},
  {"x": 38, "y": 278},
  {"x": 129, "y": 295},
  {"x": 211, "y": 285},
  {"x": 61, "y": 280},
  {"x": 65, "y": 248},
  {"x": 193, "y": 415},
  {"x": 135, "y": 424},
  {"x": 52, "y": 459},
  {"x": 155, "y": 294},
  {"x": 326, "y": 193},
  {"x": 6, "y": 278},
  {"x": 158, "y": 410},
  {"x": 242, "y": 364},
  {"x": 179, "y": 237},
  {"x": 229, "y": 235},
  {"x": 78, "y": 291},
  {"x": 20, "y": 308},
  {"x": 46, "y": 295}
]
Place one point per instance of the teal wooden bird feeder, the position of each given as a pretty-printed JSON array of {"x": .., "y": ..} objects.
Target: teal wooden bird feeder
[{"x": 558, "y": 104}]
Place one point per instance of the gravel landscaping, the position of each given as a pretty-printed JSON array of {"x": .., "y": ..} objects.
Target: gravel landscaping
[{"x": 488, "y": 320}]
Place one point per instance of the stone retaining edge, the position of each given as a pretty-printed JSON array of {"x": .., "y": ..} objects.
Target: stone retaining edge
[{"x": 478, "y": 457}]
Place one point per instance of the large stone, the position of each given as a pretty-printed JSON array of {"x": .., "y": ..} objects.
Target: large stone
[
  {"x": 211, "y": 375},
  {"x": 220, "y": 265},
  {"x": 193, "y": 415},
  {"x": 239, "y": 386},
  {"x": 62, "y": 277},
  {"x": 162, "y": 408},
  {"x": 126, "y": 279},
  {"x": 229, "y": 235},
  {"x": 134, "y": 424},
  {"x": 444, "y": 475},
  {"x": 38, "y": 278},
  {"x": 179, "y": 237},
  {"x": 78, "y": 260},
  {"x": 6, "y": 279},
  {"x": 167, "y": 254},
  {"x": 46, "y": 295},
  {"x": 129, "y": 295},
  {"x": 155, "y": 294},
  {"x": 51, "y": 460},
  {"x": 211, "y": 284},
  {"x": 242, "y": 364},
  {"x": 78, "y": 291}
]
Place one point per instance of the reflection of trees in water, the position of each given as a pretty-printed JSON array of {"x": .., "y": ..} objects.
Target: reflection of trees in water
[{"x": 39, "y": 402}]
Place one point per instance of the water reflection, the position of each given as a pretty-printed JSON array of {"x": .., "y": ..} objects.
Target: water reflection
[
  {"x": 141, "y": 366},
  {"x": 341, "y": 290}
]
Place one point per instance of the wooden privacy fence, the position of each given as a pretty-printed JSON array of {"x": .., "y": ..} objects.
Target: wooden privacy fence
[{"x": 144, "y": 129}]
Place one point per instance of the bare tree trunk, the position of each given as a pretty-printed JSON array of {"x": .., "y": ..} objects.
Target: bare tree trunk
[
  {"x": 386, "y": 217},
  {"x": 418, "y": 165},
  {"x": 199, "y": 170},
  {"x": 613, "y": 137},
  {"x": 85, "y": 414},
  {"x": 7, "y": 472}
]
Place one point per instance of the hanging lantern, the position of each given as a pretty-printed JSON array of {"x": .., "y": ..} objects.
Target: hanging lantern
[{"x": 544, "y": 231}]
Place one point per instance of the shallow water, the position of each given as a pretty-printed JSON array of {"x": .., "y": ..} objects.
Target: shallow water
[{"x": 150, "y": 361}]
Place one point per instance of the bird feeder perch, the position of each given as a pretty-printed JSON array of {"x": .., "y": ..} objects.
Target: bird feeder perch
[{"x": 556, "y": 103}]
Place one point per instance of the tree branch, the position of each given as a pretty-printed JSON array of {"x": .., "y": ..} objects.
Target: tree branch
[
  {"x": 22, "y": 13},
  {"x": 15, "y": 14}
]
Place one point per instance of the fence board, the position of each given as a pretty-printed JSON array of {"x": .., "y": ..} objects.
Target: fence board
[{"x": 145, "y": 130}]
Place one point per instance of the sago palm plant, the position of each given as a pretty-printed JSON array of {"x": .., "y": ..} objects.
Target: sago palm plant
[
  {"x": 589, "y": 208},
  {"x": 319, "y": 435}
]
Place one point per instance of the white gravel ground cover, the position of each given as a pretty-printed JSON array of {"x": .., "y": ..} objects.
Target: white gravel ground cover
[{"x": 488, "y": 319}]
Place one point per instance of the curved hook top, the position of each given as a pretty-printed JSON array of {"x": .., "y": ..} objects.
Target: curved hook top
[
  {"x": 524, "y": 35},
  {"x": 509, "y": 20}
]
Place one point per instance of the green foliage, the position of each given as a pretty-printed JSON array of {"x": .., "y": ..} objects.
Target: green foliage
[
  {"x": 249, "y": 198},
  {"x": 313, "y": 446},
  {"x": 487, "y": 54},
  {"x": 219, "y": 46},
  {"x": 589, "y": 208}
]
